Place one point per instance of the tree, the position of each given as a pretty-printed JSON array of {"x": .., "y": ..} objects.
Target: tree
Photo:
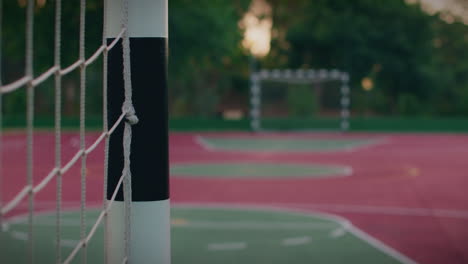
[
  {"x": 450, "y": 65},
  {"x": 204, "y": 52},
  {"x": 44, "y": 22},
  {"x": 388, "y": 40}
]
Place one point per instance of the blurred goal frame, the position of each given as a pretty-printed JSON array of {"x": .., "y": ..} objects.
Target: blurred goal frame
[{"x": 297, "y": 76}]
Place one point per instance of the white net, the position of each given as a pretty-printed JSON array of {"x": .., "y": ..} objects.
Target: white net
[
  {"x": 299, "y": 100},
  {"x": 30, "y": 82}
]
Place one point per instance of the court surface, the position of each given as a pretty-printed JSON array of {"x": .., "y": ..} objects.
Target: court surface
[
  {"x": 370, "y": 198},
  {"x": 214, "y": 235}
]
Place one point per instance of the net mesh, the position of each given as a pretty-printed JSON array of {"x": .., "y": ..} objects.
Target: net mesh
[
  {"x": 300, "y": 100},
  {"x": 29, "y": 82}
]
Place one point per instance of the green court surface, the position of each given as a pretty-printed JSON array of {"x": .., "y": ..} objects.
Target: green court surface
[
  {"x": 210, "y": 235},
  {"x": 257, "y": 170},
  {"x": 282, "y": 144}
]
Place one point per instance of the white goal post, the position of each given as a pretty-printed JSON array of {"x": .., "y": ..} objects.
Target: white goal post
[{"x": 298, "y": 76}]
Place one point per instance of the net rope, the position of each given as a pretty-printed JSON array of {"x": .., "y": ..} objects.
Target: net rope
[
  {"x": 132, "y": 119},
  {"x": 29, "y": 82},
  {"x": 30, "y": 124},
  {"x": 58, "y": 136}
]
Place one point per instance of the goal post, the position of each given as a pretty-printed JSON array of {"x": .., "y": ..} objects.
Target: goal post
[
  {"x": 149, "y": 212},
  {"x": 298, "y": 77}
]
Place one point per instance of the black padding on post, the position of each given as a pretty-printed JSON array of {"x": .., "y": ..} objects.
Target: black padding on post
[{"x": 150, "y": 142}]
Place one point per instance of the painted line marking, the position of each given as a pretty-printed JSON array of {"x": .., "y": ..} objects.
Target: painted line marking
[
  {"x": 346, "y": 224},
  {"x": 339, "y": 232},
  {"x": 381, "y": 246},
  {"x": 339, "y": 220},
  {"x": 227, "y": 246},
  {"x": 204, "y": 143},
  {"x": 371, "y": 143},
  {"x": 296, "y": 241}
]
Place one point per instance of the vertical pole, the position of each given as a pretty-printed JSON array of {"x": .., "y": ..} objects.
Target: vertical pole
[
  {"x": 29, "y": 71},
  {"x": 150, "y": 222},
  {"x": 105, "y": 127},
  {"x": 82, "y": 55},
  {"x": 254, "y": 99},
  {"x": 255, "y": 103},
  {"x": 345, "y": 102}
]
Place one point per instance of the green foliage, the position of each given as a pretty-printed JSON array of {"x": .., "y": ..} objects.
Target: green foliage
[
  {"x": 418, "y": 61},
  {"x": 205, "y": 53},
  {"x": 461, "y": 102},
  {"x": 407, "y": 51},
  {"x": 373, "y": 102},
  {"x": 301, "y": 101},
  {"x": 357, "y": 35},
  {"x": 408, "y": 105},
  {"x": 13, "y": 51}
]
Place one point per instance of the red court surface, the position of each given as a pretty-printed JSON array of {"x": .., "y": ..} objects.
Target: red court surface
[{"x": 409, "y": 190}]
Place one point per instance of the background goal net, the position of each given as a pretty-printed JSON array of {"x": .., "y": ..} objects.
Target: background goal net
[{"x": 300, "y": 100}]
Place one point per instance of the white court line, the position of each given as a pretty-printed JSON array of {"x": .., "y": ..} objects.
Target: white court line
[
  {"x": 339, "y": 232},
  {"x": 204, "y": 143},
  {"x": 23, "y": 236},
  {"x": 371, "y": 143},
  {"x": 296, "y": 241},
  {"x": 346, "y": 224},
  {"x": 227, "y": 246},
  {"x": 381, "y": 246},
  {"x": 22, "y": 218}
]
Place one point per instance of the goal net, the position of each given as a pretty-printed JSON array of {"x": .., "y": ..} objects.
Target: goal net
[
  {"x": 299, "y": 100},
  {"x": 69, "y": 196}
]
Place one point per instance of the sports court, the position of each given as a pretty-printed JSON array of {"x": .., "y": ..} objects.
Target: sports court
[
  {"x": 244, "y": 137},
  {"x": 379, "y": 202}
]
